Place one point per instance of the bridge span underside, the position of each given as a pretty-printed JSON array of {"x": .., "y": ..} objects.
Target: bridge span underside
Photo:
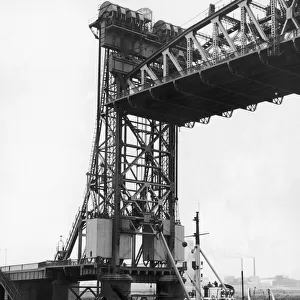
[{"x": 195, "y": 95}]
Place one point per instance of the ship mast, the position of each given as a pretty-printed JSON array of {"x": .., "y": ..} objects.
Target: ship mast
[{"x": 197, "y": 256}]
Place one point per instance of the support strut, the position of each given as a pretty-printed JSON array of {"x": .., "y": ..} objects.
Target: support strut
[{"x": 174, "y": 265}]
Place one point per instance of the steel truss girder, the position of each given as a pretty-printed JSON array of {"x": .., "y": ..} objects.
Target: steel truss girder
[
  {"x": 253, "y": 19},
  {"x": 216, "y": 21},
  {"x": 168, "y": 53},
  {"x": 190, "y": 33},
  {"x": 289, "y": 14},
  {"x": 191, "y": 36},
  {"x": 218, "y": 53},
  {"x": 81, "y": 295},
  {"x": 144, "y": 69}
]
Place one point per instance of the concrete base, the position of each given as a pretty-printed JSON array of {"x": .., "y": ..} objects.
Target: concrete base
[
  {"x": 35, "y": 290},
  {"x": 168, "y": 287},
  {"x": 45, "y": 290},
  {"x": 2, "y": 292},
  {"x": 61, "y": 291},
  {"x": 112, "y": 284}
]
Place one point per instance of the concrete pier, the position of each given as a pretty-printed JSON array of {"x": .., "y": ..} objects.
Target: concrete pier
[
  {"x": 112, "y": 284},
  {"x": 168, "y": 287},
  {"x": 61, "y": 291},
  {"x": 2, "y": 292},
  {"x": 35, "y": 290},
  {"x": 42, "y": 290}
]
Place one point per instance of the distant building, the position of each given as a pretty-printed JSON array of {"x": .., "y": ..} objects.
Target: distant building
[
  {"x": 231, "y": 280},
  {"x": 281, "y": 281},
  {"x": 253, "y": 280}
]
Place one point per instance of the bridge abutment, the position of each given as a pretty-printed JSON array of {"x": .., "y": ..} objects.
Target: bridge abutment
[
  {"x": 35, "y": 290},
  {"x": 43, "y": 290}
]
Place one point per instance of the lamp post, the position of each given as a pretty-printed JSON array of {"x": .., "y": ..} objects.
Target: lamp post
[
  {"x": 254, "y": 269},
  {"x": 242, "y": 276},
  {"x": 5, "y": 257}
]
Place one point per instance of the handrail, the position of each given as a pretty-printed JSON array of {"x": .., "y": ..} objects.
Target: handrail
[
  {"x": 50, "y": 263},
  {"x": 47, "y": 263},
  {"x": 74, "y": 227},
  {"x": 9, "y": 287}
]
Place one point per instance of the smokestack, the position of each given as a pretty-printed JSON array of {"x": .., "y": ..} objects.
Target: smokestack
[{"x": 253, "y": 266}]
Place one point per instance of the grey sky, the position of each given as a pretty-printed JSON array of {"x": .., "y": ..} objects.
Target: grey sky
[{"x": 243, "y": 171}]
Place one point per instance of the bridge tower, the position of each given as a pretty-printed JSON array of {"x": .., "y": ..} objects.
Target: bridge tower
[
  {"x": 153, "y": 78},
  {"x": 132, "y": 183},
  {"x": 132, "y": 178}
]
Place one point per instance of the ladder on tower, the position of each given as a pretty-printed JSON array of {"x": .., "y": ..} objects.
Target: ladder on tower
[
  {"x": 81, "y": 215},
  {"x": 9, "y": 287}
]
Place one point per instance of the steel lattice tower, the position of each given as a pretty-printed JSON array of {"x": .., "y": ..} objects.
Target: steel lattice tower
[
  {"x": 134, "y": 168},
  {"x": 132, "y": 178}
]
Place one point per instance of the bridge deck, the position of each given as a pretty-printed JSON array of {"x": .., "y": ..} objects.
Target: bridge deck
[
  {"x": 78, "y": 271},
  {"x": 201, "y": 92}
]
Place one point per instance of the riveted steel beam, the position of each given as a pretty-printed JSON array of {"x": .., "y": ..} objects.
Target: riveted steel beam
[
  {"x": 189, "y": 53},
  {"x": 217, "y": 21},
  {"x": 173, "y": 59},
  {"x": 131, "y": 85},
  {"x": 253, "y": 19},
  {"x": 289, "y": 14},
  {"x": 194, "y": 28},
  {"x": 203, "y": 53},
  {"x": 145, "y": 68}
]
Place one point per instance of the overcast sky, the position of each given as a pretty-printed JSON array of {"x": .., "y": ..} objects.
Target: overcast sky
[{"x": 243, "y": 172}]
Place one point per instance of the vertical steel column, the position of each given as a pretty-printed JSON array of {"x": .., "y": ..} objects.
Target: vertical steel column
[
  {"x": 215, "y": 33},
  {"x": 165, "y": 65},
  {"x": 133, "y": 251},
  {"x": 215, "y": 42},
  {"x": 274, "y": 26},
  {"x": 117, "y": 195},
  {"x": 173, "y": 182},
  {"x": 243, "y": 33},
  {"x": 94, "y": 168},
  {"x": 106, "y": 95},
  {"x": 189, "y": 52},
  {"x": 79, "y": 252},
  {"x": 143, "y": 77}
]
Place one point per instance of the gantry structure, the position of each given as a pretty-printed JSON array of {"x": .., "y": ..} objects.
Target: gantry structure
[
  {"x": 153, "y": 78},
  {"x": 133, "y": 167}
]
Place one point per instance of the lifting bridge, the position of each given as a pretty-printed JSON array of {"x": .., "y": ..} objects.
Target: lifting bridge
[{"x": 153, "y": 78}]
